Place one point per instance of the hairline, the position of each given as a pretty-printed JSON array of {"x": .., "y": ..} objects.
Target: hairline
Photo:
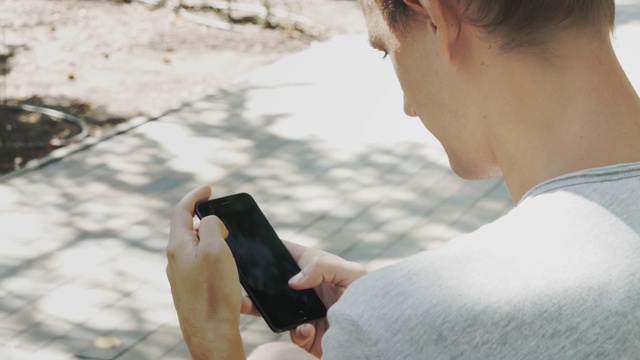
[{"x": 399, "y": 20}]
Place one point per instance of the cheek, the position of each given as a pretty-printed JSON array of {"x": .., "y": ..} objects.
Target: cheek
[
  {"x": 425, "y": 95},
  {"x": 443, "y": 109},
  {"x": 421, "y": 101}
]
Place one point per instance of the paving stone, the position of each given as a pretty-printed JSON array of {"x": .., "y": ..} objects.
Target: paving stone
[
  {"x": 397, "y": 214},
  {"x": 63, "y": 346},
  {"x": 14, "y": 353},
  {"x": 111, "y": 318},
  {"x": 41, "y": 334},
  {"x": 6, "y": 334},
  {"x": 155, "y": 345},
  {"x": 127, "y": 329},
  {"x": 77, "y": 302},
  {"x": 25, "y": 318},
  {"x": 127, "y": 337},
  {"x": 152, "y": 304},
  {"x": 49, "y": 355},
  {"x": 179, "y": 352},
  {"x": 11, "y": 303}
]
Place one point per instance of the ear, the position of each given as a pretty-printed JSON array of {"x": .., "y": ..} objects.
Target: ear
[{"x": 442, "y": 19}]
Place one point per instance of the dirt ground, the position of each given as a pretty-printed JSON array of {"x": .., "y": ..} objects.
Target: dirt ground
[{"x": 107, "y": 61}]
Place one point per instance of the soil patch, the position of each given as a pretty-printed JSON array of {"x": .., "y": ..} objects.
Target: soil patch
[{"x": 112, "y": 60}]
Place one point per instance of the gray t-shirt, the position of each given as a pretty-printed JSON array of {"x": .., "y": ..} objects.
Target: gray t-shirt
[{"x": 558, "y": 277}]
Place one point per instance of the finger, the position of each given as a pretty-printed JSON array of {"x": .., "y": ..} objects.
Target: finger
[
  {"x": 247, "y": 307},
  {"x": 188, "y": 202},
  {"x": 327, "y": 269},
  {"x": 196, "y": 227},
  {"x": 181, "y": 230},
  {"x": 182, "y": 217},
  {"x": 303, "y": 336},
  {"x": 212, "y": 233}
]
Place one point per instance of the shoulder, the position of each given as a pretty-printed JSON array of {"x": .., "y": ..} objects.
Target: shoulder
[{"x": 548, "y": 278}]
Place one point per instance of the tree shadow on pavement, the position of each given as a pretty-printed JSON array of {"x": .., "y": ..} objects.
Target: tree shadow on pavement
[{"x": 87, "y": 234}]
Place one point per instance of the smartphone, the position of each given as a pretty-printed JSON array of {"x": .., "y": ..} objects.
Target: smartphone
[{"x": 264, "y": 263}]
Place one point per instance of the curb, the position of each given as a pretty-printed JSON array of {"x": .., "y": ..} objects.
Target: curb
[{"x": 84, "y": 144}]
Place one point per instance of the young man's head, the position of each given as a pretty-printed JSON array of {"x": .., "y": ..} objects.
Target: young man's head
[
  {"x": 464, "y": 65},
  {"x": 515, "y": 24}
]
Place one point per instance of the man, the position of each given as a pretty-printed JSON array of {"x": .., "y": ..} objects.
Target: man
[{"x": 532, "y": 91}]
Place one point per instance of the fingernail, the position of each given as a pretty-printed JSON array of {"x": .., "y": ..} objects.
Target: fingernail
[{"x": 297, "y": 278}]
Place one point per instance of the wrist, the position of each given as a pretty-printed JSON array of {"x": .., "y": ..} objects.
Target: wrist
[{"x": 218, "y": 340}]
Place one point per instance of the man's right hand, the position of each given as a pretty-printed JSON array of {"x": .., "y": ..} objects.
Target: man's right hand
[{"x": 330, "y": 275}]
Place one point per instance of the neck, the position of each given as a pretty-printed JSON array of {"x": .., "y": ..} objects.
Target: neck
[{"x": 576, "y": 111}]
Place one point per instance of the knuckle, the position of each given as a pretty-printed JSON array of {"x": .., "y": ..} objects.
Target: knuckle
[
  {"x": 209, "y": 254},
  {"x": 318, "y": 266},
  {"x": 172, "y": 253},
  {"x": 215, "y": 223}
]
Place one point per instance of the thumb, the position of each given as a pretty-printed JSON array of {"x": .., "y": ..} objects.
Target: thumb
[
  {"x": 327, "y": 269},
  {"x": 301, "y": 281}
]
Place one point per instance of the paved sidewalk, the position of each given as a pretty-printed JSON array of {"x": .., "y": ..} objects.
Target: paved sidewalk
[{"x": 318, "y": 138}]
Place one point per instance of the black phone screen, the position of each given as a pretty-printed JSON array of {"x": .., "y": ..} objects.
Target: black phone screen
[{"x": 264, "y": 263}]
